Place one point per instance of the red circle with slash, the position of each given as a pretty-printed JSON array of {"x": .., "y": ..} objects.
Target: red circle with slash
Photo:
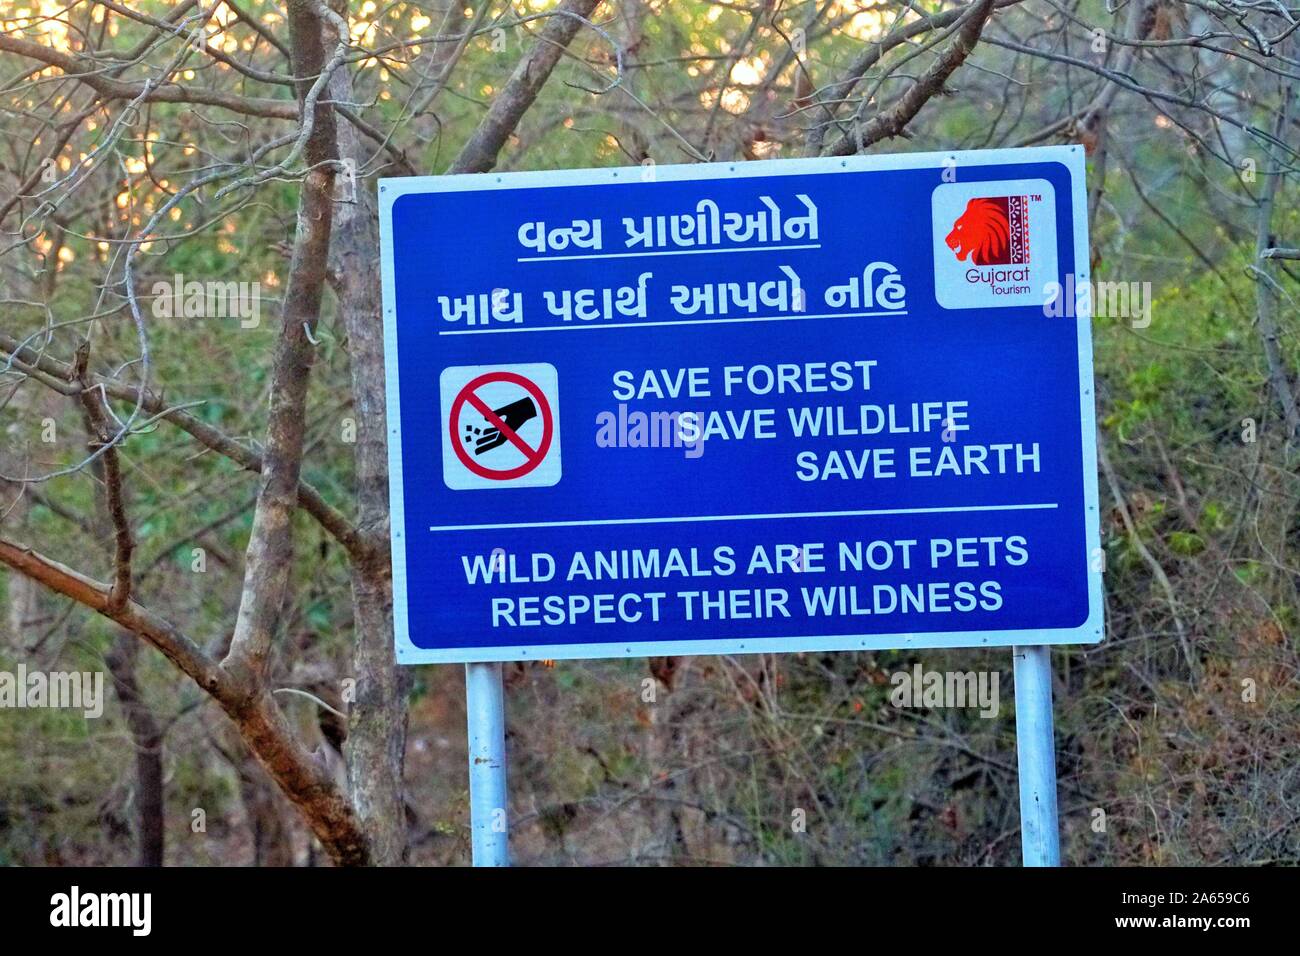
[{"x": 533, "y": 456}]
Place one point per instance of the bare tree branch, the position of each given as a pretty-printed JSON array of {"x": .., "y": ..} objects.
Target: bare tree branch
[
  {"x": 254, "y": 711},
  {"x": 479, "y": 154},
  {"x": 269, "y": 560},
  {"x": 55, "y": 374},
  {"x": 92, "y": 74},
  {"x": 929, "y": 84}
]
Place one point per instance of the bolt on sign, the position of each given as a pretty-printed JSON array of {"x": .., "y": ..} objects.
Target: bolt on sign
[{"x": 824, "y": 404}]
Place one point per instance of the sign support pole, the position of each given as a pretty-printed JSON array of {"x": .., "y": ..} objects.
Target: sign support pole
[
  {"x": 1036, "y": 756},
  {"x": 485, "y": 706}
]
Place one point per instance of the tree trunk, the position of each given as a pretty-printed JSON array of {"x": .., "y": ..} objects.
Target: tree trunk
[
  {"x": 1279, "y": 373},
  {"x": 268, "y": 820},
  {"x": 376, "y": 742},
  {"x": 148, "y": 739}
]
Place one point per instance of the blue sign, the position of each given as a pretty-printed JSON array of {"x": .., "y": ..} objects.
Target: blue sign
[{"x": 824, "y": 404}]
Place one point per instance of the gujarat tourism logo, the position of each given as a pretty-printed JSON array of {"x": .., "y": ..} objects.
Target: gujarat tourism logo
[
  {"x": 991, "y": 250},
  {"x": 993, "y": 231}
]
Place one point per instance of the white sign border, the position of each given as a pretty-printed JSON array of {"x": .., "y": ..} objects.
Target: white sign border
[{"x": 390, "y": 190}]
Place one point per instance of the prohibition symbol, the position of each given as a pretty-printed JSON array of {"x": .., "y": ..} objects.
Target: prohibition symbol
[{"x": 501, "y": 426}]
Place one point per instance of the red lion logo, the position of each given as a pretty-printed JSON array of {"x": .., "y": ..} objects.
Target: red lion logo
[{"x": 983, "y": 232}]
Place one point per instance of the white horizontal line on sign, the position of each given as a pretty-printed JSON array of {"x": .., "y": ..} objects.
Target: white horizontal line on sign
[
  {"x": 664, "y": 252},
  {"x": 641, "y": 325},
  {"x": 803, "y": 514}
]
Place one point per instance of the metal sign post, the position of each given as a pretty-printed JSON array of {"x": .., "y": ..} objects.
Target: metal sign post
[
  {"x": 1036, "y": 756},
  {"x": 485, "y": 706}
]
